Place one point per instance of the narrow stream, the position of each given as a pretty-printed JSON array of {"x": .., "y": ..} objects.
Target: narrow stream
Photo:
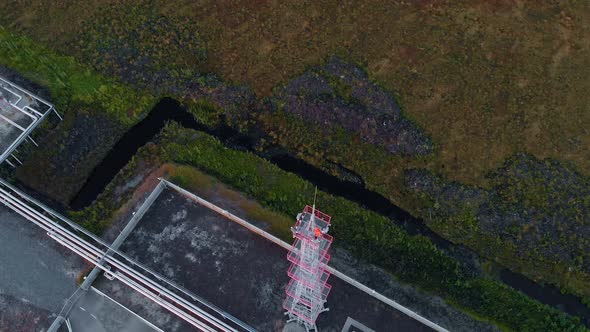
[
  {"x": 169, "y": 109},
  {"x": 166, "y": 110}
]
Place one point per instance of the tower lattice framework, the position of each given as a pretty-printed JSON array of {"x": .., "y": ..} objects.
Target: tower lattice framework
[{"x": 308, "y": 289}]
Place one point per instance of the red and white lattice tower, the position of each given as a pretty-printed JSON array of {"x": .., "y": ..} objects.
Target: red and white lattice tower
[{"x": 308, "y": 290}]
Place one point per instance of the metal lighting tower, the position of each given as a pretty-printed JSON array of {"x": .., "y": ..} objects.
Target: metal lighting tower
[{"x": 308, "y": 290}]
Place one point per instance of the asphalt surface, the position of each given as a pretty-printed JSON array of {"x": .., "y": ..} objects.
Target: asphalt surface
[{"x": 36, "y": 274}]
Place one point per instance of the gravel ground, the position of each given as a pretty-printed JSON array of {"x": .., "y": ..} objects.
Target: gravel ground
[
  {"x": 19, "y": 315},
  {"x": 432, "y": 307},
  {"x": 238, "y": 271},
  {"x": 36, "y": 274}
]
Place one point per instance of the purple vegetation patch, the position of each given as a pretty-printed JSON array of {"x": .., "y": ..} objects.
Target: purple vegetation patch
[{"x": 340, "y": 95}]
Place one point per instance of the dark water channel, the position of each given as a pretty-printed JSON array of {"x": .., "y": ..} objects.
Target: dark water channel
[{"x": 169, "y": 109}]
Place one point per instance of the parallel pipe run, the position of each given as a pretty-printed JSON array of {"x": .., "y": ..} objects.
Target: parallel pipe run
[
  {"x": 45, "y": 102},
  {"x": 94, "y": 255},
  {"x": 124, "y": 256},
  {"x": 25, "y": 110},
  {"x": 14, "y": 124},
  {"x": 126, "y": 280},
  {"x": 91, "y": 277},
  {"x": 23, "y": 136}
]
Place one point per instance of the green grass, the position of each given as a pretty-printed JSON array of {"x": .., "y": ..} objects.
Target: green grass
[
  {"x": 69, "y": 81},
  {"x": 485, "y": 79},
  {"x": 209, "y": 187}
]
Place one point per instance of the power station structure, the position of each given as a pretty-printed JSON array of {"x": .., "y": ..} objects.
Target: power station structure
[
  {"x": 308, "y": 289},
  {"x": 21, "y": 112}
]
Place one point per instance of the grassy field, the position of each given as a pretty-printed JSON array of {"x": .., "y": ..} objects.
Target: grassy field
[{"x": 484, "y": 78}]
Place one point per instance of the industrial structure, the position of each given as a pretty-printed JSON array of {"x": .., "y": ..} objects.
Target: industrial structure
[
  {"x": 308, "y": 289},
  {"x": 21, "y": 112},
  {"x": 199, "y": 313}
]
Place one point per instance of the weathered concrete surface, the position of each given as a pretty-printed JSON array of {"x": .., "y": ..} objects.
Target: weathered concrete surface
[
  {"x": 36, "y": 274},
  {"x": 97, "y": 313}
]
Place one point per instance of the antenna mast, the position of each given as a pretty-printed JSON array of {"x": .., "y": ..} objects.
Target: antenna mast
[{"x": 308, "y": 289}]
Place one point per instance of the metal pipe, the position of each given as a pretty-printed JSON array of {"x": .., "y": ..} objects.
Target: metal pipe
[
  {"x": 48, "y": 104},
  {"x": 182, "y": 302},
  {"x": 53, "y": 229},
  {"x": 39, "y": 114},
  {"x": 56, "y": 112},
  {"x": 26, "y": 133},
  {"x": 154, "y": 327},
  {"x": 22, "y": 110},
  {"x": 15, "y": 94},
  {"x": 162, "y": 302},
  {"x": 15, "y": 158},
  {"x": 9, "y": 163},
  {"x": 287, "y": 246},
  {"x": 130, "y": 260},
  {"x": 69, "y": 325},
  {"x": 13, "y": 123}
]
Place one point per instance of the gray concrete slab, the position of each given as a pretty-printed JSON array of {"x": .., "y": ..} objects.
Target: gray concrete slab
[
  {"x": 8, "y": 131},
  {"x": 96, "y": 312},
  {"x": 36, "y": 274},
  {"x": 141, "y": 305},
  {"x": 8, "y": 134}
]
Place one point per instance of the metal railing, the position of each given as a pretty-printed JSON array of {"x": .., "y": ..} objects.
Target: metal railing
[{"x": 36, "y": 115}]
